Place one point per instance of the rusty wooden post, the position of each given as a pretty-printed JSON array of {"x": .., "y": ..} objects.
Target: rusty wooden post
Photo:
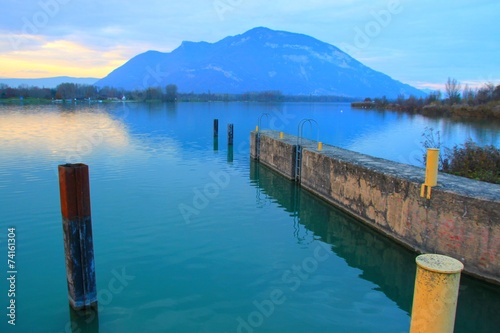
[
  {"x": 77, "y": 228},
  {"x": 216, "y": 128},
  {"x": 230, "y": 134}
]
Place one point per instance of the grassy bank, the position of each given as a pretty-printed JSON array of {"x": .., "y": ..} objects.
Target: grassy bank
[
  {"x": 489, "y": 111},
  {"x": 466, "y": 160}
]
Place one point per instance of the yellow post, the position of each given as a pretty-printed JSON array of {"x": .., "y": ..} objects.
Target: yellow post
[
  {"x": 281, "y": 135},
  {"x": 436, "y": 293},
  {"x": 431, "y": 168},
  {"x": 257, "y": 128},
  {"x": 431, "y": 171},
  {"x": 320, "y": 145}
]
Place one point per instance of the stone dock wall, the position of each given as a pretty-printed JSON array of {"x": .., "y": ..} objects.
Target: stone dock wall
[{"x": 460, "y": 220}]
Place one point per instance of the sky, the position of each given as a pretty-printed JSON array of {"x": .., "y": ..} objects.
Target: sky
[{"x": 419, "y": 42}]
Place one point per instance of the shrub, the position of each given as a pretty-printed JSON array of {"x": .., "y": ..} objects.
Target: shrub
[
  {"x": 466, "y": 160},
  {"x": 471, "y": 161},
  {"x": 431, "y": 139}
]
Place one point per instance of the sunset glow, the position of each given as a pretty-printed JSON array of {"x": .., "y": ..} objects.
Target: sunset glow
[
  {"x": 59, "y": 58},
  {"x": 406, "y": 40}
]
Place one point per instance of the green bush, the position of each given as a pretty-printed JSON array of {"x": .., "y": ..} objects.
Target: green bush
[
  {"x": 475, "y": 162},
  {"x": 466, "y": 160}
]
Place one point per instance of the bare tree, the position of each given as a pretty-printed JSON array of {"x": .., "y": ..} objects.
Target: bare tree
[
  {"x": 452, "y": 88},
  {"x": 468, "y": 95},
  {"x": 496, "y": 93}
]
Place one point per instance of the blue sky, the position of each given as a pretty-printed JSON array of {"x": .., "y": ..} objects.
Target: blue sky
[{"x": 419, "y": 42}]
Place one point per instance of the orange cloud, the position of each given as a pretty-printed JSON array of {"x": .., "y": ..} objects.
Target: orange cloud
[{"x": 59, "y": 58}]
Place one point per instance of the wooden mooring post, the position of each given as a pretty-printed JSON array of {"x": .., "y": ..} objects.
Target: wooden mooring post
[
  {"x": 216, "y": 128},
  {"x": 216, "y": 143},
  {"x": 230, "y": 154},
  {"x": 230, "y": 134},
  {"x": 78, "y": 242}
]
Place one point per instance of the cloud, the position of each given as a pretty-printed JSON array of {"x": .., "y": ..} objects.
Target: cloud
[
  {"x": 424, "y": 41},
  {"x": 59, "y": 57}
]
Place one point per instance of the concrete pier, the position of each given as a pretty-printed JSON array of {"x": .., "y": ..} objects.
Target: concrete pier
[{"x": 460, "y": 220}]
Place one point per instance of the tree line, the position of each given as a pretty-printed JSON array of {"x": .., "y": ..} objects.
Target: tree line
[
  {"x": 467, "y": 102},
  {"x": 168, "y": 93},
  {"x": 479, "y": 102},
  {"x": 75, "y": 91}
]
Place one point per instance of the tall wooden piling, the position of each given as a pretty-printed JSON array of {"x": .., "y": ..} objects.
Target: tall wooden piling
[
  {"x": 230, "y": 134},
  {"x": 216, "y": 143},
  {"x": 77, "y": 228},
  {"x": 216, "y": 128},
  {"x": 230, "y": 154}
]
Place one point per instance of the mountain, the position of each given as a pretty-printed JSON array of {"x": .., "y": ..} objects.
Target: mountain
[
  {"x": 49, "y": 82},
  {"x": 428, "y": 91},
  {"x": 258, "y": 60}
]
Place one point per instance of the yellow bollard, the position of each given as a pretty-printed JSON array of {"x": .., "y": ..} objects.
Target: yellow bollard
[
  {"x": 281, "y": 135},
  {"x": 431, "y": 171},
  {"x": 320, "y": 146},
  {"x": 436, "y": 292},
  {"x": 257, "y": 128}
]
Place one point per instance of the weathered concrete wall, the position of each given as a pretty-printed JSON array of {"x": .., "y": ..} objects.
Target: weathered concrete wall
[
  {"x": 461, "y": 220},
  {"x": 253, "y": 145},
  {"x": 275, "y": 153}
]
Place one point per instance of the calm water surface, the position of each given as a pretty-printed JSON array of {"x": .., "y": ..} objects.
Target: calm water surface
[{"x": 191, "y": 236}]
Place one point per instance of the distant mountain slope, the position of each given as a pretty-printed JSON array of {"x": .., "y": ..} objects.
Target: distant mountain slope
[
  {"x": 260, "y": 59},
  {"x": 49, "y": 82}
]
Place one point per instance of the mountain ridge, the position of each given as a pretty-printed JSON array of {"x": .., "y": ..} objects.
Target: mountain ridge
[
  {"x": 258, "y": 60},
  {"x": 47, "y": 82}
]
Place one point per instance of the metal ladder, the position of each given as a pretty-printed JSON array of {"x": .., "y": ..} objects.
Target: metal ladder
[
  {"x": 257, "y": 136},
  {"x": 298, "y": 150}
]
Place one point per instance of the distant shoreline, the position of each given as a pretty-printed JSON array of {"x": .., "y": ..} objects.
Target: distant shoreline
[
  {"x": 489, "y": 111},
  {"x": 226, "y": 98}
]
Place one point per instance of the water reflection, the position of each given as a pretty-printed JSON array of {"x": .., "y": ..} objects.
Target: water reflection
[
  {"x": 151, "y": 159},
  {"x": 386, "y": 264},
  {"x": 230, "y": 154},
  {"x": 216, "y": 143},
  {"x": 66, "y": 134},
  {"x": 360, "y": 246},
  {"x": 83, "y": 321}
]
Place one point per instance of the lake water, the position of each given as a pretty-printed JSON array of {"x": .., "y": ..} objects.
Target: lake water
[{"x": 191, "y": 236}]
